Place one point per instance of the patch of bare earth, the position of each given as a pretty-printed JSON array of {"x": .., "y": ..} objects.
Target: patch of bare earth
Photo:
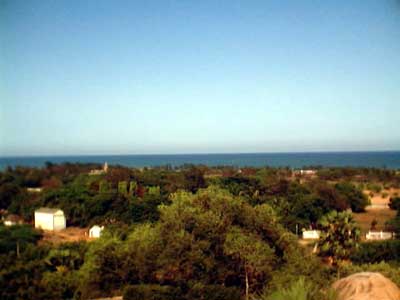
[
  {"x": 365, "y": 219},
  {"x": 70, "y": 234},
  {"x": 378, "y": 210},
  {"x": 383, "y": 197}
]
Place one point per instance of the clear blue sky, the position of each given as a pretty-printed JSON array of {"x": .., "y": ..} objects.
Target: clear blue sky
[{"x": 126, "y": 77}]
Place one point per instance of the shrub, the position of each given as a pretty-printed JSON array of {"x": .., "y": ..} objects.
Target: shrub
[
  {"x": 299, "y": 290},
  {"x": 394, "y": 225},
  {"x": 394, "y": 203},
  {"x": 151, "y": 292},
  {"x": 213, "y": 292},
  {"x": 374, "y": 252},
  {"x": 377, "y": 188},
  {"x": 355, "y": 197}
]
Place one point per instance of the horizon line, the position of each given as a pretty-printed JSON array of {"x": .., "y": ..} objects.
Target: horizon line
[{"x": 201, "y": 153}]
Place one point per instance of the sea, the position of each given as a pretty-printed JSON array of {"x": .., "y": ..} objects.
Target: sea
[{"x": 378, "y": 159}]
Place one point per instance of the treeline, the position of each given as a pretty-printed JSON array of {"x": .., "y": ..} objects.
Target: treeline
[{"x": 132, "y": 195}]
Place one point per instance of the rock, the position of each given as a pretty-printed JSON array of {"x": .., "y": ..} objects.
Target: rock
[{"x": 366, "y": 286}]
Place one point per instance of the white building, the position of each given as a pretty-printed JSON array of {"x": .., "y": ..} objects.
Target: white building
[
  {"x": 95, "y": 231},
  {"x": 12, "y": 220},
  {"x": 311, "y": 234},
  {"x": 34, "y": 189},
  {"x": 101, "y": 171},
  {"x": 379, "y": 235},
  {"x": 49, "y": 219}
]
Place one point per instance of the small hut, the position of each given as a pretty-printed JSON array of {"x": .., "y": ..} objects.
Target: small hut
[
  {"x": 95, "y": 231},
  {"x": 50, "y": 219}
]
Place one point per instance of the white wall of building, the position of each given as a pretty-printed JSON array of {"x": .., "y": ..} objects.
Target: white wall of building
[
  {"x": 311, "y": 234},
  {"x": 59, "y": 222},
  {"x": 43, "y": 221},
  {"x": 379, "y": 235},
  {"x": 95, "y": 231},
  {"x": 50, "y": 221}
]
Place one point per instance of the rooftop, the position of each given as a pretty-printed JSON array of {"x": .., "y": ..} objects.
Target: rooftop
[{"x": 47, "y": 210}]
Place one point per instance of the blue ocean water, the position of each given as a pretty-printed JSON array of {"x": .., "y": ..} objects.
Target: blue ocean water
[{"x": 384, "y": 159}]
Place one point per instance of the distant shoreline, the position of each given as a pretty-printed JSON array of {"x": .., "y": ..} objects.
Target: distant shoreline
[{"x": 376, "y": 159}]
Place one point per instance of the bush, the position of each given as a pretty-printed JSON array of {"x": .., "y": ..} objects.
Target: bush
[
  {"x": 213, "y": 292},
  {"x": 374, "y": 252},
  {"x": 299, "y": 290},
  {"x": 152, "y": 292},
  {"x": 394, "y": 203},
  {"x": 375, "y": 187},
  {"x": 17, "y": 238},
  {"x": 394, "y": 225},
  {"x": 354, "y": 196}
]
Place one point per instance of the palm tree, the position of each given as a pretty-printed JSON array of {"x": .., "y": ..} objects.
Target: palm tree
[{"x": 339, "y": 236}]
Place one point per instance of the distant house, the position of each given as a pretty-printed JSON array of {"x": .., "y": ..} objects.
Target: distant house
[
  {"x": 49, "y": 219},
  {"x": 95, "y": 231},
  {"x": 311, "y": 234},
  {"x": 101, "y": 171},
  {"x": 11, "y": 220},
  {"x": 306, "y": 173},
  {"x": 34, "y": 189}
]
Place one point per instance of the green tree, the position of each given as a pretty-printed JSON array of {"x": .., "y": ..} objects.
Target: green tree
[
  {"x": 154, "y": 190},
  {"x": 251, "y": 251},
  {"x": 339, "y": 237},
  {"x": 123, "y": 187},
  {"x": 104, "y": 186},
  {"x": 17, "y": 238},
  {"x": 132, "y": 188},
  {"x": 354, "y": 196},
  {"x": 194, "y": 179}
]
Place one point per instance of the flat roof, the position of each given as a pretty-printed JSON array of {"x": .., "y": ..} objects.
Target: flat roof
[{"x": 47, "y": 210}]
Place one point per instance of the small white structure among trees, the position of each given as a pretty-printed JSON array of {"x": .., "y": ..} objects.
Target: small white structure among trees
[
  {"x": 95, "y": 231},
  {"x": 311, "y": 234},
  {"x": 12, "y": 220},
  {"x": 50, "y": 219}
]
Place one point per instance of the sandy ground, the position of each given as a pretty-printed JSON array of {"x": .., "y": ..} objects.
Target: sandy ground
[
  {"x": 378, "y": 199},
  {"x": 70, "y": 234},
  {"x": 381, "y": 215},
  {"x": 378, "y": 210}
]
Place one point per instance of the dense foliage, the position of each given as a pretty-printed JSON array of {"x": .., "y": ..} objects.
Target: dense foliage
[
  {"x": 374, "y": 252},
  {"x": 192, "y": 232}
]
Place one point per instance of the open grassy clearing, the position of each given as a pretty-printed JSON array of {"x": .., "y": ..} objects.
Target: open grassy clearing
[{"x": 365, "y": 219}]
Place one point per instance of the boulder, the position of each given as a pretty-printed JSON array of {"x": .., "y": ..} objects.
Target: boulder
[{"x": 366, "y": 286}]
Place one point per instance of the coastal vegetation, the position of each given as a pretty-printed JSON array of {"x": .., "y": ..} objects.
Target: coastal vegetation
[{"x": 193, "y": 232}]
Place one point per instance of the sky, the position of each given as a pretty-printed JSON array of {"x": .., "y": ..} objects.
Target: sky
[{"x": 167, "y": 77}]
